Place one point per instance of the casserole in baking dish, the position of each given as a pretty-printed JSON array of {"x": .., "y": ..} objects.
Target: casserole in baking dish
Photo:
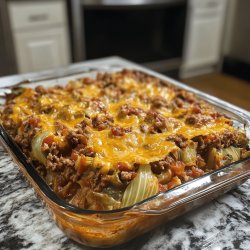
[{"x": 110, "y": 142}]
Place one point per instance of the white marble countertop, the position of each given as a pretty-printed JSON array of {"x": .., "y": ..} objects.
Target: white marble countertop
[{"x": 26, "y": 224}]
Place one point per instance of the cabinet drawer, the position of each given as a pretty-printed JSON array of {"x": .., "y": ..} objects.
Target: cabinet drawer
[
  {"x": 31, "y": 14},
  {"x": 41, "y": 49},
  {"x": 207, "y": 4}
]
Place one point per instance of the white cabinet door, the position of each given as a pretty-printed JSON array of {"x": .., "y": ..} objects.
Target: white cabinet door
[
  {"x": 41, "y": 49},
  {"x": 203, "y": 36},
  {"x": 203, "y": 46}
]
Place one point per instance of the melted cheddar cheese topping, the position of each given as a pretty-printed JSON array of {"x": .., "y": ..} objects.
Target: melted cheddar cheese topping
[{"x": 72, "y": 104}]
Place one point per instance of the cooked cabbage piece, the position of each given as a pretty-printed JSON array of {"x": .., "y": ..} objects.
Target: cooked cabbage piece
[
  {"x": 36, "y": 146},
  {"x": 144, "y": 185}
]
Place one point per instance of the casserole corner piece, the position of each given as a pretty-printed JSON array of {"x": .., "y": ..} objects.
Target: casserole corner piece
[{"x": 114, "y": 149}]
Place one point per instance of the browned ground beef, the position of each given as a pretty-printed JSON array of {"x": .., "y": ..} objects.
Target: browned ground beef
[{"x": 72, "y": 168}]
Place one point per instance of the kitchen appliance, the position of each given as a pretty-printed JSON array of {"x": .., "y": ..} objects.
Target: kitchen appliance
[{"x": 149, "y": 32}]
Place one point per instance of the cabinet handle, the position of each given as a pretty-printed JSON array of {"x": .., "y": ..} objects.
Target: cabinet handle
[{"x": 38, "y": 18}]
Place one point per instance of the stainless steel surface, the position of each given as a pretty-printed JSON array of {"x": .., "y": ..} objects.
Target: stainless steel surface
[
  {"x": 77, "y": 18},
  {"x": 78, "y": 40},
  {"x": 128, "y": 2}
]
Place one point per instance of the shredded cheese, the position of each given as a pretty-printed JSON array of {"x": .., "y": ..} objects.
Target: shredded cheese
[{"x": 70, "y": 108}]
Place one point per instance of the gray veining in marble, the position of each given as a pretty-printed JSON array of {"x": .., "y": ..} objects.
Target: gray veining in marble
[{"x": 26, "y": 224}]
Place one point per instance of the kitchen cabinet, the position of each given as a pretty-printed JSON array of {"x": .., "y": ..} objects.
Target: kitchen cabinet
[
  {"x": 38, "y": 50},
  {"x": 202, "y": 49},
  {"x": 40, "y": 34}
]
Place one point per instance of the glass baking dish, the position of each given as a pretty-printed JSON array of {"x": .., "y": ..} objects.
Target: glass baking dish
[{"x": 110, "y": 228}]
